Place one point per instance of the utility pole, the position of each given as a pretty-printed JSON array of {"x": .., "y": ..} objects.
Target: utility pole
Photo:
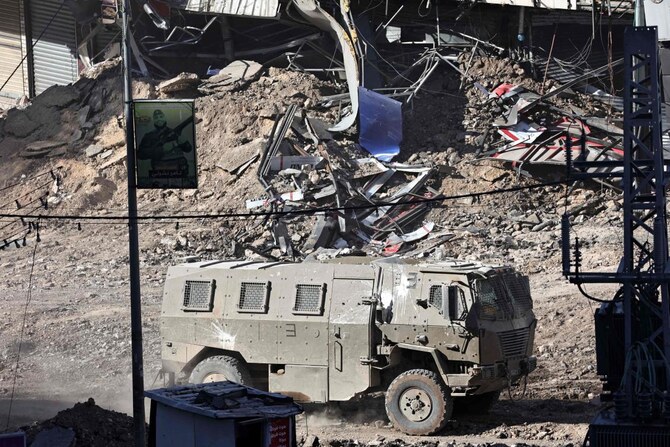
[
  {"x": 133, "y": 241},
  {"x": 633, "y": 328}
]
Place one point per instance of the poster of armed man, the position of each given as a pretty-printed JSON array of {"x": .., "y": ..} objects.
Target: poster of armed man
[{"x": 165, "y": 144}]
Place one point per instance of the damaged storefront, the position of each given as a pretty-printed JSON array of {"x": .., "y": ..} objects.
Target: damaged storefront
[{"x": 45, "y": 43}]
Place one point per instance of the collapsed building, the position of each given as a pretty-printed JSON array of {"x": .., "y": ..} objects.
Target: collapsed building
[{"x": 405, "y": 91}]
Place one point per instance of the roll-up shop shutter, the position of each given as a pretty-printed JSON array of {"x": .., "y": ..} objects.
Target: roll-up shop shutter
[
  {"x": 10, "y": 49},
  {"x": 55, "y": 55}
]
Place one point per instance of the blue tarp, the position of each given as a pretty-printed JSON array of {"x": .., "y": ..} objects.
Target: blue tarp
[{"x": 381, "y": 124}]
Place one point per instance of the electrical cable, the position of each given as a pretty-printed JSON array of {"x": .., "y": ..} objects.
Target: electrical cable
[
  {"x": 302, "y": 211},
  {"x": 23, "y": 327},
  {"x": 427, "y": 8},
  {"x": 20, "y": 218},
  {"x": 618, "y": 296},
  {"x": 18, "y": 241},
  {"x": 33, "y": 45},
  {"x": 16, "y": 199},
  {"x": 51, "y": 171}
]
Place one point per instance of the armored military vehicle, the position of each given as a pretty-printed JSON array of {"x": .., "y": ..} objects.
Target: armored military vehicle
[{"x": 429, "y": 334}]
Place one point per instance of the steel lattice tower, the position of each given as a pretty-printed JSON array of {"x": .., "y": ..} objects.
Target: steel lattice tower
[{"x": 642, "y": 305}]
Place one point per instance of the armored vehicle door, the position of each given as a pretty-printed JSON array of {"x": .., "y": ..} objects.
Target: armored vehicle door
[
  {"x": 349, "y": 337},
  {"x": 446, "y": 309}
]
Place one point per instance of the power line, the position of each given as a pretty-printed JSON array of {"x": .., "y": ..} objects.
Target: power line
[
  {"x": 21, "y": 218},
  {"x": 23, "y": 327},
  {"x": 303, "y": 211},
  {"x": 18, "y": 204},
  {"x": 51, "y": 172}
]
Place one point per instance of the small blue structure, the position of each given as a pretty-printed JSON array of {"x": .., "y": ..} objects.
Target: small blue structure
[
  {"x": 221, "y": 414},
  {"x": 381, "y": 124}
]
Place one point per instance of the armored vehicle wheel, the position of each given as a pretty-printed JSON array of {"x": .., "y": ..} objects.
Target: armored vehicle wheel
[
  {"x": 219, "y": 368},
  {"x": 479, "y": 404},
  {"x": 418, "y": 402}
]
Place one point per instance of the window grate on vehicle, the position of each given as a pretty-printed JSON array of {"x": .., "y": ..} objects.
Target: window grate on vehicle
[
  {"x": 254, "y": 297},
  {"x": 503, "y": 298},
  {"x": 198, "y": 295},
  {"x": 435, "y": 297},
  {"x": 309, "y": 299},
  {"x": 519, "y": 289}
]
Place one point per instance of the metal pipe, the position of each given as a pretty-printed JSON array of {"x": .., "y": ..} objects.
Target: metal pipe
[
  {"x": 27, "y": 12},
  {"x": 389, "y": 20},
  {"x": 133, "y": 242},
  {"x": 546, "y": 68}
]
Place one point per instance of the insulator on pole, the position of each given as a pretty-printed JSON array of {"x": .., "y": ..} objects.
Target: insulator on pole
[
  {"x": 565, "y": 241},
  {"x": 568, "y": 156}
]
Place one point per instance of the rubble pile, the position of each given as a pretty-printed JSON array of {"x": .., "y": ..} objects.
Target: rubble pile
[
  {"x": 264, "y": 147},
  {"x": 85, "y": 424},
  {"x": 382, "y": 442},
  {"x": 512, "y": 117}
]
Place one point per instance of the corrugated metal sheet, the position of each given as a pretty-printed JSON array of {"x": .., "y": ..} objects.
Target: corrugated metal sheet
[
  {"x": 55, "y": 60},
  {"x": 10, "y": 48},
  {"x": 253, "y": 8},
  {"x": 553, "y": 17}
]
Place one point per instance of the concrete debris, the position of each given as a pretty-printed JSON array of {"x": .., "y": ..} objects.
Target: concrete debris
[
  {"x": 84, "y": 424},
  {"x": 40, "y": 149},
  {"x": 271, "y": 140},
  {"x": 94, "y": 150},
  {"x": 242, "y": 157},
  {"x": 19, "y": 124},
  {"x": 183, "y": 81},
  {"x": 84, "y": 114},
  {"x": 324, "y": 167},
  {"x": 58, "y": 96},
  {"x": 235, "y": 75}
]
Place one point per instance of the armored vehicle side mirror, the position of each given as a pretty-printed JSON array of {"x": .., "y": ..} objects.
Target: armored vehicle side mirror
[{"x": 454, "y": 307}]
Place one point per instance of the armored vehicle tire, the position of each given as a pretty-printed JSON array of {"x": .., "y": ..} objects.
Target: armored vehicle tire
[
  {"x": 218, "y": 368},
  {"x": 479, "y": 404},
  {"x": 418, "y": 402}
]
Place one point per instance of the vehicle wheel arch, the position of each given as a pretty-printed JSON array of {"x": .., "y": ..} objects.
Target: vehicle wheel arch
[
  {"x": 404, "y": 357},
  {"x": 205, "y": 353},
  {"x": 221, "y": 367}
]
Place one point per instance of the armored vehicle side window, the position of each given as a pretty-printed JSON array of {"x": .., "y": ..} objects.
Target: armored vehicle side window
[
  {"x": 254, "y": 297},
  {"x": 457, "y": 305},
  {"x": 435, "y": 298},
  {"x": 198, "y": 296},
  {"x": 309, "y": 299}
]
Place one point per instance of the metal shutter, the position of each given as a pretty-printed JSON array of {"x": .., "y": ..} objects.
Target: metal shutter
[
  {"x": 54, "y": 56},
  {"x": 10, "y": 49}
]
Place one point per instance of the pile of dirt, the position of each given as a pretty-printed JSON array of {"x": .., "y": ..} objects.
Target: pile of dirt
[
  {"x": 88, "y": 142},
  {"x": 87, "y": 425}
]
